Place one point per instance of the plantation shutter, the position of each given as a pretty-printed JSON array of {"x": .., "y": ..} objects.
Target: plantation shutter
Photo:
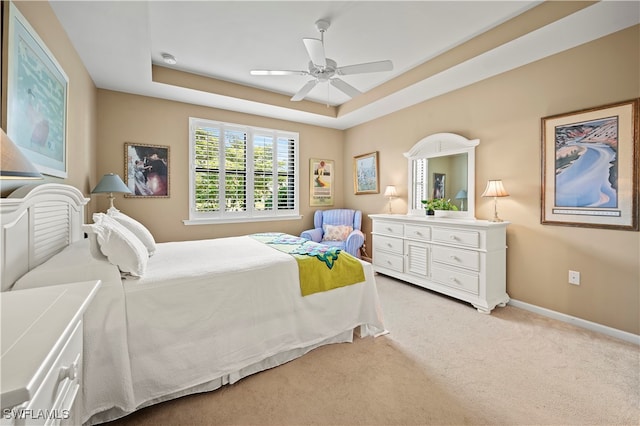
[
  {"x": 207, "y": 169},
  {"x": 286, "y": 174},
  {"x": 420, "y": 183},
  {"x": 240, "y": 172}
]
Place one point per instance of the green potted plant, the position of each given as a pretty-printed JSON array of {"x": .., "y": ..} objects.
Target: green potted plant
[{"x": 433, "y": 204}]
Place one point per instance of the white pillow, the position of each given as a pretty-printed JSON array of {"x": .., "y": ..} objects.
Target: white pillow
[
  {"x": 136, "y": 227},
  {"x": 73, "y": 264},
  {"x": 336, "y": 232},
  {"x": 120, "y": 245}
]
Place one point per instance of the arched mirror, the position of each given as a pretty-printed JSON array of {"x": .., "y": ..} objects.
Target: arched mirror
[{"x": 443, "y": 166}]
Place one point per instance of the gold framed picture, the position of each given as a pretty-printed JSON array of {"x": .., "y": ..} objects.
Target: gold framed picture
[
  {"x": 366, "y": 179},
  {"x": 590, "y": 167}
]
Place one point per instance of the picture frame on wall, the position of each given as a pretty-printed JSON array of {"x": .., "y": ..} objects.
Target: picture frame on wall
[
  {"x": 366, "y": 179},
  {"x": 146, "y": 170},
  {"x": 37, "y": 90},
  {"x": 590, "y": 167},
  {"x": 321, "y": 182}
]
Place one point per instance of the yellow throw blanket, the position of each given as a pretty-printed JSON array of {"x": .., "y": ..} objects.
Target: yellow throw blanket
[{"x": 320, "y": 267}]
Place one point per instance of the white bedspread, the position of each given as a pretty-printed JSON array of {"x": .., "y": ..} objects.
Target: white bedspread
[
  {"x": 244, "y": 305},
  {"x": 208, "y": 313}
]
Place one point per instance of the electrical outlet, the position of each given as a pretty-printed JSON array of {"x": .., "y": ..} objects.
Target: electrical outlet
[{"x": 574, "y": 277}]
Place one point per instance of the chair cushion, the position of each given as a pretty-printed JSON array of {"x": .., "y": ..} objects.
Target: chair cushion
[{"x": 336, "y": 232}]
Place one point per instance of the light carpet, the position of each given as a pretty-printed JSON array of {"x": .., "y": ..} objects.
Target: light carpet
[{"x": 443, "y": 363}]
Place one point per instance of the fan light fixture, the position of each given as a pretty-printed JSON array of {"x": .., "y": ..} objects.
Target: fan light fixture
[{"x": 324, "y": 70}]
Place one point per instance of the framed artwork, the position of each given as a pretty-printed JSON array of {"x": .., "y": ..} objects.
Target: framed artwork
[
  {"x": 590, "y": 167},
  {"x": 36, "y": 98},
  {"x": 438, "y": 185},
  {"x": 146, "y": 170},
  {"x": 321, "y": 178},
  {"x": 365, "y": 174}
]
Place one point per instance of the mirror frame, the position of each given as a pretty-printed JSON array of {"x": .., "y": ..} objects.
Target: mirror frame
[{"x": 440, "y": 145}]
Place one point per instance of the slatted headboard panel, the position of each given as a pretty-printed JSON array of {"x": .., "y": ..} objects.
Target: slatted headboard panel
[{"x": 37, "y": 221}]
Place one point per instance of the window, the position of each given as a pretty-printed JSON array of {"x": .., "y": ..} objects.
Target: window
[{"x": 241, "y": 173}]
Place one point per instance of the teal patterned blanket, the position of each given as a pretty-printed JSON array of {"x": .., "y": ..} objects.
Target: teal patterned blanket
[{"x": 320, "y": 267}]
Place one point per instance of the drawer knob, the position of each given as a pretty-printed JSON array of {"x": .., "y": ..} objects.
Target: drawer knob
[
  {"x": 70, "y": 372},
  {"x": 389, "y": 229},
  {"x": 452, "y": 257},
  {"x": 453, "y": 280},
  {"x": 453, "y": 237},
  {"x": 389, "y": 245}
]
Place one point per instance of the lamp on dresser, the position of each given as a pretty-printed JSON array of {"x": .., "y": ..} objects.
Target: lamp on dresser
[
  {"x": 495, "y": 189},
  {"x": 111, "y": 183},
  {"x": 390, "y": 192},
  {"x": 461, "y": 195}
]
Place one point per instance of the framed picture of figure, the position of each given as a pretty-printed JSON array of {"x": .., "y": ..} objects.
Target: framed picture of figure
[{"x": 146, "y": 170}]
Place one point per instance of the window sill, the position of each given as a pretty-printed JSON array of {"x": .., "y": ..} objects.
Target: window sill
[{"x": 213, "y": 221}]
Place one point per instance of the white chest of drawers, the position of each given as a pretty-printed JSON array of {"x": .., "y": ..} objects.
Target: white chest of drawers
[
  {"x": 465, "y": 259},
  {"x": 42, "y": 352}
]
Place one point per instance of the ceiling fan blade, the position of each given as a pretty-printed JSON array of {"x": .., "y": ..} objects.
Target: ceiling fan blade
[
  {"x": 305, "y": 89},
  {"x": 364, "y": 68},
  {"x": 315, "y": 49},
  {"x": 278, "y": 72},
  {"x": 345, "y": 87}
]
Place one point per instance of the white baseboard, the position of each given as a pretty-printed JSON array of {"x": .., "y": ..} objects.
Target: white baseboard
[{"x": 609, "y": 331}]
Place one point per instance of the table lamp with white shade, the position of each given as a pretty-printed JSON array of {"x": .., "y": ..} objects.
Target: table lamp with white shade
[
  {"x": 390, "y": 192},
  {"x": 495, "y": 189}
]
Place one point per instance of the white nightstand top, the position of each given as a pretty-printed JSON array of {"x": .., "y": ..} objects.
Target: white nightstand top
[{"x": 36, "y": 323}]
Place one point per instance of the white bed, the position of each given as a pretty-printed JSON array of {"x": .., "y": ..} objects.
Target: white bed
[{"x": 204, "y": 314}]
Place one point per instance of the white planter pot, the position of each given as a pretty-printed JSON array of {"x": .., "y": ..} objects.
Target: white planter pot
[{"x": 441, "y": 213}]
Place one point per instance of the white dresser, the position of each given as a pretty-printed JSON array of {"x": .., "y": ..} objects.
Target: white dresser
[
  {"x": 462, "y": 258},
  {"x": 42, "y": 352}
]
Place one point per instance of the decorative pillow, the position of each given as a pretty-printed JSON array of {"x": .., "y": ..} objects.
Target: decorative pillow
[
  {"x": 120, "y": 245},
  {"x": 138, "y": 229},
  {"x": 336, "y": 232}
]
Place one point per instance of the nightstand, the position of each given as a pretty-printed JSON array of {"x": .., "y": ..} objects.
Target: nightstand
[{"x": 41, "y": 360}]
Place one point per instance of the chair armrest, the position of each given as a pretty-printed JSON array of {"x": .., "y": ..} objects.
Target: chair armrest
[
  {"x": 355, "y": 240},
  {"x": 312, "y": 234}
]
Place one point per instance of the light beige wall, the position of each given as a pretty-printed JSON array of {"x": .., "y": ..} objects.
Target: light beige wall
[
  {"x": 82, "y": 96},
  {"x": 504, "y": 112},
  {"x": 131, "y": 118}
]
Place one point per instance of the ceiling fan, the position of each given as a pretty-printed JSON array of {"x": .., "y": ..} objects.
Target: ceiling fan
[{"x": 324, "y": 69}]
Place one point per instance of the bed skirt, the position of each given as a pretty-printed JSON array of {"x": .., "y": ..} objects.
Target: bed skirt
[{"x": 270, "y": 362}]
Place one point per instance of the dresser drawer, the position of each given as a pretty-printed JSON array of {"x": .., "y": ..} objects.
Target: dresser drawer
[
  {"x": 455, "y": 279},
  {"x": 388, "y": 228},
  {"x": 417, "y": 232},
  {"x": 388, "y": 261},
  {"x": 394, "y": 245},
  {"x": 456, "y": 257},
  {"x": 456, "y": 236},
  {"x": 60, "y": 385}
]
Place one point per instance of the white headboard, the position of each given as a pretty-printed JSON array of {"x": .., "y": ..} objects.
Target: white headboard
[{"x": 36, "y": 222}]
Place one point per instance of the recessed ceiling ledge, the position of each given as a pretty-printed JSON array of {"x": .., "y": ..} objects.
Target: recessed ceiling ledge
[{"x": 172, "y": 77}]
